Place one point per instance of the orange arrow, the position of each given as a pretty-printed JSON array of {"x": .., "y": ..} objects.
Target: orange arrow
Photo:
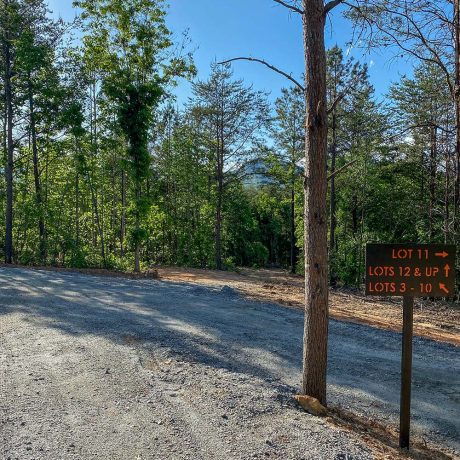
[
  {"x": 442, "y": 286},
  {"x": 446, "y": 270},
  {"x": 441, "y": 254}
]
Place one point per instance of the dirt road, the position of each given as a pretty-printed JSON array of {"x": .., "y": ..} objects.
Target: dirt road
[
  {"x": 432, "y": 320},
  {"x": 111, "y": 368}
]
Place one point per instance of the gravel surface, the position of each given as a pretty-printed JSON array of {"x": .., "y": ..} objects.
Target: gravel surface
[{"x": 110, "y": 368}]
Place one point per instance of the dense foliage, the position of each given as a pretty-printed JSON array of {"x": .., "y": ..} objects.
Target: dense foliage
[{"x": 107, "y": 172}]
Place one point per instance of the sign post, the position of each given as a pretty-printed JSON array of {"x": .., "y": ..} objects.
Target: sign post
[
  {"x": 406, "y": 372},
  {"x": 409, "y": 270}
]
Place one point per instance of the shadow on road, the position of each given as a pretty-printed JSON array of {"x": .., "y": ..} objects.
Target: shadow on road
[{"x": 218, "y": 328}]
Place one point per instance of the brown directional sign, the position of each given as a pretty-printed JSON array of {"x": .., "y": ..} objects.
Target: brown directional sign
[{"x": 413, "y": 270}]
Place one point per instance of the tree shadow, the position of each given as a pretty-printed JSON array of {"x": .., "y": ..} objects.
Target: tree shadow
[{"x": 216, "y": 327}]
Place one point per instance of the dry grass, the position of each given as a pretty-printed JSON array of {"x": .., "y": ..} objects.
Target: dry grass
[{"x": 384, "y": 439}]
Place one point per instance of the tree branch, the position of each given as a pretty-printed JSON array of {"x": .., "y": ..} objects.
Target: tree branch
[
  {"x": 291, "y": 7},
  {"x": 336, "y": 102},
  {"x": 337, "y": 171},
  {"x": 289, "y": 77},
  {"x": 420, "y": 125},
  {"x": 345, "y": 91},
  {"x": 330, "y": 5}
]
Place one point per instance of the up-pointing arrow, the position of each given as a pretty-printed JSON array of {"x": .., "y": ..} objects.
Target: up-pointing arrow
[{"x": 447, "y": 270}]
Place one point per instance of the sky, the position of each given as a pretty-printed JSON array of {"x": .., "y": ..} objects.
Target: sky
[{"x": 223, "y": 29}]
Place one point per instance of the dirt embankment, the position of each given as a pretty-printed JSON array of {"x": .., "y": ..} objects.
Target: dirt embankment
[{"x": 434, "y": 320}]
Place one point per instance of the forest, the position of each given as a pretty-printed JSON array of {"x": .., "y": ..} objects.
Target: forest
[{"x": 102, "y": 168}]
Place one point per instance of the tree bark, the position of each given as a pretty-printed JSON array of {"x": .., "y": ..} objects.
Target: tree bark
[
  {"x": 220, "y": 188},
  {"x": 218, "y": 222},
  {"x": 457, "y": 112},
  {"x": 77, "y": 210},
  {"x": 9, "y": 152},
  {"x": 100, "y": 229},
  {"x": 38, "y": 188},
  {"x": 316, "y": 286},
  {"x": 333, "y": 204},
  {"x": 123, "y": 213},
  {"x": 446, "y": 197},
  {"x": 137, "y": 245},
  {"x": 433, "y": 157},
  {"x": 293, "y": 247}
]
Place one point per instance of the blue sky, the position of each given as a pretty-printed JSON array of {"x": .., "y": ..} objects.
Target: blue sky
[{"x": 222, "y": 29}]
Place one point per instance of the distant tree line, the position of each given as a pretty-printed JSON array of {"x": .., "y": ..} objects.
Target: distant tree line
[{"x": 101, "y": 169}]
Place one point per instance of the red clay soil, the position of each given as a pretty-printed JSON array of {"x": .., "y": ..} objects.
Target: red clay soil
[{"x": 434, "y": 320}]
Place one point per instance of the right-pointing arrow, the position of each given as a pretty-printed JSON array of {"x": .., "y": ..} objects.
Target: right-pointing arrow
[
  {"x": 442, "y": 286},
  {"x": 442, "y": 254}
]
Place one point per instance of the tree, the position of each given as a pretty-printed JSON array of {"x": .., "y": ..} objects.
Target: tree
[
  {"x": 313, "y": 14},
  {"x": 232, "y": 116},
  {"x": 185, "y": 202},
  {"x": 315, "y": 252},
  {"x": 423, "y": 104},
  {"x": 9, "y": 18},
  {"x": 344, "y": 79},
  {"x": 426, "y": 31},
  {"x": 362, "y": 143},
  {"x": 39, "y": 85},
  {"x": 130, "y": 39},
  {"x": 289, "y": 135},
  {"x": 20, "y": 22}
]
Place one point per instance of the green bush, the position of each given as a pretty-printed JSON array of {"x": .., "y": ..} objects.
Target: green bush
[{"x": 258, "y": 254}]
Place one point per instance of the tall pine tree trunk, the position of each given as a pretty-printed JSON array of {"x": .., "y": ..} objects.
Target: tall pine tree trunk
[
  {"x": 316, "y": 286},
  {"x": 77, "y": 210},
  {"x": 9, "y": 151},
  {"x": 137, "y": 249},
  {"x": 123, "y": 213},
  {"x": 457, "y": 113},
  {"x": 293, "y": 247},
  {"x": 38, "y": 188},
  {"x": 447, "y": 196},
  {"x": 218, "y": 221},
  {"x": 433, "y": 158},
  {"x": 333, "y": 203}
]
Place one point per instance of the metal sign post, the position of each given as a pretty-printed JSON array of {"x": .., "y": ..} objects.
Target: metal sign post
[
  {"x": 409, "y": 270},
  {"x": 406, "y": 372}
]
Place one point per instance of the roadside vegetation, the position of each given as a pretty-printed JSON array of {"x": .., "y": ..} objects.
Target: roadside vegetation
[{"x": 102, "y": 169}]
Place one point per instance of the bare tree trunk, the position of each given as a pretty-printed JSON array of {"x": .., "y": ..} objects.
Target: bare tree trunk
[
  {"x": 446, "y": 196},
  {"x": 137, "y": 248},
  {"x": 456, "y": 210},
  {"x": 9, "y": 155},
  {"x": 354, "y": 214},
  {"x": 220, "y": 191},
  {"x": 333, "y": 202},
  {"x": 38, "y": 188},
  {"x": 433, "y": 155},
  {"x": 113, "y": 213},
  {"x": 77, "y": 210},
  {"x": 123, "y": 213},
  {"x": 293, "y": 247},
  {"x": 4, "y": 133},
  {"x": 100, "y": 229},
  {"x": 95, "y": 208},
  {"x": 316, "y": 288},
  {"x": 218, "y": 222},
  {"x": 137, "y": 258}
]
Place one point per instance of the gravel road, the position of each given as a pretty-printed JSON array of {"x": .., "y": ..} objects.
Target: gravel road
[{"x": 111, "y": 368}]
